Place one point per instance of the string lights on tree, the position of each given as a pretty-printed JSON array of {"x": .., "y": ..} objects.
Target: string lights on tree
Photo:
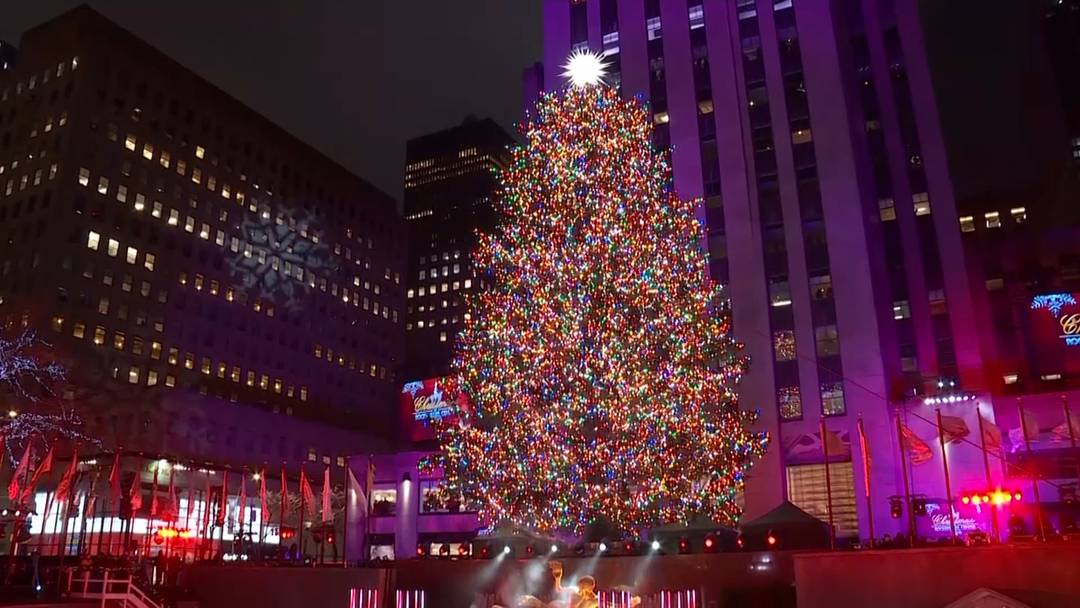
[{"x": 599, "y": 360}]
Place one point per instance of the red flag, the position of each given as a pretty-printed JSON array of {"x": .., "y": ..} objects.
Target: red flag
[
  {"x": 264, "y": 508},
  {"x": 63, "y": 489},
  {"x": 917, "y": 448},
  {"x": 190, "y": 500},
  {"x": 114, "y": 480},
  {"x": 864, "y": 446},
  {"x": 307, "y": 493},
  {"x": 206, "y": 505},
  {"x": 241, "y": 502},
  {"x": 223, "y": 506},
  {"x": 91, "y": 498},
  {"x": 284, "y": 495},
  {"x": 327, "y": 514},
  {"x": 954, "y": 428},
  {"x": 43, "y": 469},
  {"x": 991, "y": 435},
  {"x": 21, "y": 470},
  {"x": 174, "y": 505},
  {"x": 153, "y": 492},
  {"x": 136, "y": 492}
]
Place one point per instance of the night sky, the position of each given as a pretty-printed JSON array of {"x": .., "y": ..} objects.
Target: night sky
[{"x": 354, "y": 78}]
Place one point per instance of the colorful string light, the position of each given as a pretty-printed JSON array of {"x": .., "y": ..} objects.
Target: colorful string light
[{"x": 599, "y": 359}]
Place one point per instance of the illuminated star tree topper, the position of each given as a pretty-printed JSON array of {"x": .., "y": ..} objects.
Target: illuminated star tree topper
[
  {"x": 585, "y": 68},
  {"x": 599, "y": 361}
]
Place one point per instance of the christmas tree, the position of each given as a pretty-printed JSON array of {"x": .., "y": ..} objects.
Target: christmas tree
[{"x": 599, "y": 358}]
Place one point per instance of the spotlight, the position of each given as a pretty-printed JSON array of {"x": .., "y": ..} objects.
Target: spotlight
[
  {"x": 603, "y": 547},
  {"x": 771, "y": 539},
  {"x": 554, "y": 548},
  {"x": 655, "y": 545},
  {"x": 463, "y": 549},
  {"x": 710, "y": 543},
  {"x": 739, "y": 542},
  {"x": 684, "y": 545},
  {"x": 1017, "y": 496},
  {"x": 628, "y": 547},
  {"x": 965, "y": 499},
  {"x": 506, "y": 549},
  {"x": 420, "y": 551}
]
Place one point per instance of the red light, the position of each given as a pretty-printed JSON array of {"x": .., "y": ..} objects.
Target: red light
[
  {"x": 1017, "y": 496},
  {"x": 463, "y": 549},
  {"x": 684, "y": 545},
  {"x": 420, "y": 550},
  {"x": 187, "y": 534},
  {"x": 965, "y": 500},
  {"x": 168, "y": 532},
  {"x": 739, "y": 542},
  {"x": 986, "y": 498},
  {"x": 771, "y": 539}
]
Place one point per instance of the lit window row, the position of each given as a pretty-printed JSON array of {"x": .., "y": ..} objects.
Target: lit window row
[
  {"x": 112, "y": 247},
  {"x": 992, "y": 219},
  {"x": 27, "y": 180},
  {"x": 48, "y": 125},
  {"x": 372, "y": 369},
  {"x": 32, "y": 82}
]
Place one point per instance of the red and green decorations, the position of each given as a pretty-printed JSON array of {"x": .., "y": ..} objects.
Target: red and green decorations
[{"x": 599, "y": 357}]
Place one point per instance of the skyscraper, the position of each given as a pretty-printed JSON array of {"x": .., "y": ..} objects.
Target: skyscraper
[
  {"x": 810, "y": 131},
  {"x": 219, "y": 289},
  {"x": 450, "y": 183}
]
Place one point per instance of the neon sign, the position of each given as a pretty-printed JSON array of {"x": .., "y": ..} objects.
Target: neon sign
[
  {"x": 939, "y": 519},
  {"x": 1063, "y": 307}
]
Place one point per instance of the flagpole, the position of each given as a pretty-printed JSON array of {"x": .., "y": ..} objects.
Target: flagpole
[
  {"x": 1034, "y": 470},
  {"x": 989, "y": 477},
  {"x": 828, "y": 484},
  {"x": 345, "y": 518},
  {"x": 866, "y": 477},
  {"x": 948, "y": 483},
  {"x": 907, "y": 482},
  {"x": 1072, "y": 432},
  {"x": 281, "y": 509},
  {"x": 303, "y": 501}
]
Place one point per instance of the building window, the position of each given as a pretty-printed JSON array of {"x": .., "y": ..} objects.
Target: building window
[
  {"x": 113, "y": 248},
  {"x": 790, "y": 402},
  {"x": 148, "y": 151},
  {"x": 937, "y": 301},
  {"x": 802, "y": 136},
  {"x": 697, "y": 16},
  {"x": 779, "y": 293},
  {"x": 148, "y": 263},
  {"x": 993, "y": 219},
  {"x": 901, "y": 309},
  {"x": 132, "y": 255},
  {"x": 887, "y": 209},
  {"x": 103, "y": 185},
  {"x": 967, "y": 223},
  {"x": 807, "y": 490},
  {"x": 652, "y": 26},
  {"x": 133, "y": 375},
  {"x": 129, "y": 142},
  {"x": 79, "y": 330},
  {"x": 995, "y": 284},
  {"x": 1019, "y": 214},
  {"x": 200, "y": 152},
  {"x": 383, "y": 502},
  {"x": 93, "y": 239},
  {"x": 922, "y": 203},
  {"x": 99, "y": 335},
  {"x": 784, "y": 345},
  {"x": 119, "y": 340},
  {"x": 821, "y": 287},
  {"x": 832, "y": 399},
  {"x": 828, "y": 340}
]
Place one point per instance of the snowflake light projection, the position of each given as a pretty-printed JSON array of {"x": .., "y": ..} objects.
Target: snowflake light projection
[
  {"x": 279, "y": 258},
  {"x": 32, "y": 380}
]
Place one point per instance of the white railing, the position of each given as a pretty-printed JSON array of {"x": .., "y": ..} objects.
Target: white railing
[{"x": 112, "y": 587}]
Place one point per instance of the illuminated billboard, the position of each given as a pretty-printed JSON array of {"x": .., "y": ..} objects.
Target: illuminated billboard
[
  {"x": 1054, "y": 326},
  {"x": 424, "y": 402}
]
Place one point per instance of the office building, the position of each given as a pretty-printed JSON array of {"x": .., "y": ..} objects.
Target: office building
[
  {"x": 811, "y": 133},
  {"x": 450, "y": 185},
  {"x": 219, "y": 289}
]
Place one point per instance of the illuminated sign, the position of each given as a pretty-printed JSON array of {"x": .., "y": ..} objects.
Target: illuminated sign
[
  {"x": 1054, "y": 332},
  {"x": 424, "y": 402},
  {"x": 939, "y": 520}
]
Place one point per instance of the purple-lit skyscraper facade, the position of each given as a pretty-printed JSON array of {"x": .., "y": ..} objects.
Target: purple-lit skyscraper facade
[{"x": 810, "y": 131}]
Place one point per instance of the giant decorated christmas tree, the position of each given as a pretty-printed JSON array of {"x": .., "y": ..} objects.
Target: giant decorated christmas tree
[{"x": 599, "y": 358}]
